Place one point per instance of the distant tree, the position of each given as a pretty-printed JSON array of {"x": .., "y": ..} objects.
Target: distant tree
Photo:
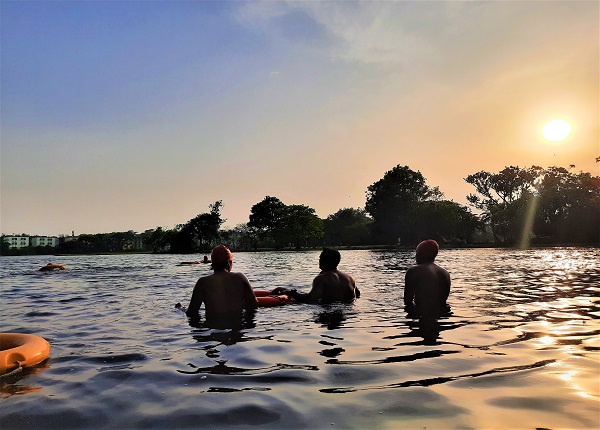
[
  {"x": 565, "y": 206},
  {"x": 503, "y": 199},
  {"x": 248, "y": 237},
  {"x": 393, "y": 202},
  {"x": 265, "y": 217},
  {"x": 299, "y": 224},
  {"x": 569, "y": 206},
  {"x": 205, "y": 227},
  {"x": 200, "y": 233},
  {"x": 156, "y": 239},
  {"x": 348, "y": 226},
  {"x": 446, "y": 221},
  {"x": 4, "y": 247}
]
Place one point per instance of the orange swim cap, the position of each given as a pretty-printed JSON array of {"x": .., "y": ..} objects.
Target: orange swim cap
[
  {"x": 428, "y": 249},
  {"x": 221, "y": 254}
]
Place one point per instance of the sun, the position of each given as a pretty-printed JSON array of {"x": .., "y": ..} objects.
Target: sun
[{"x": 556, "y": 130}]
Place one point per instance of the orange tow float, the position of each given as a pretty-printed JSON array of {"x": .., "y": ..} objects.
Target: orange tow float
[
  {"x": 21, "y": 350},
  {"x": 266, "y": 299},
  {"x": 51, "y": 266}
]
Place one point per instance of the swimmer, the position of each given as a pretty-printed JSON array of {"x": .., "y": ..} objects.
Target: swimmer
[
  {"x": 224, "y": 293},
  {"x": 426, "y": 285},
  {"x": 329, "y": 286},
  {"x": 51, "y": 266}
]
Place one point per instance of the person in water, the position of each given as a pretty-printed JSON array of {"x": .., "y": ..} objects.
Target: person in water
[
  {"x": 331, "y": 285},
  {"x": 224, "y": 293},
  {"x": 426, "y": 285}
]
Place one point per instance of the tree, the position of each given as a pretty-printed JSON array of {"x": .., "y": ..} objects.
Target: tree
[
  {"x": 393, "y": 201},
  {"x": 156, "y": 239},
  {"x": 445, "y": 221},
  {"x": 504, "y": 199},
  {"x": 199, "y": 233},
  {"x": 5, "y": 247},
  {"x": 348, "y": 226},
  {"x": 565, "y": 207},
  {"x": 299, "y": 224},
  {"x": 569, "y": 206},
  {"x": 265, "y": 218}
]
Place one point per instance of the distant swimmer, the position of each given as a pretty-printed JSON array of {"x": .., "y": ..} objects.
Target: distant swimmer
[
  {"x": 329, "y": 286},
  {"x": 224, "y": 293},
  {"x": 426, "y": 285},
  {"x": 50, "y": 266},
  {"x": 205, "y": 260}
]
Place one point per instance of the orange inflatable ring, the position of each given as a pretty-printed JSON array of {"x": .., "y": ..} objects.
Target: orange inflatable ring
[
  {"x": 21, "y": 350},
  {"x": 266, "y": 300},
  {"x": 51, "y": 266}
]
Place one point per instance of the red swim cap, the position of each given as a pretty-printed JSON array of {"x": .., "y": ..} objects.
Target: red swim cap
[
  {"x": 221, "y": 254},
  {"x": 427, "y": 250}
]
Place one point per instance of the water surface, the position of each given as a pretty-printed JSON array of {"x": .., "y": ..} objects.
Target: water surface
[{"x": 520, "y": 350}]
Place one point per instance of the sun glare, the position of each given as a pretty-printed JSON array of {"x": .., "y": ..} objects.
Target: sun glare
[{"x": 556, "y": 130}]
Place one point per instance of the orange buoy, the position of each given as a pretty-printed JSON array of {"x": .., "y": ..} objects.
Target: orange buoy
[
  {"x": 51, "y": 266},
  {"x": 21, "y": 350},
  {"x": 262, "y": 293},
  {"x": 266, "y": 299}
]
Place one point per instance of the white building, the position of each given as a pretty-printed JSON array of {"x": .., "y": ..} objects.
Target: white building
[
  {"x": 44, "y": 241},
  {"x": 17, "y": 242}
]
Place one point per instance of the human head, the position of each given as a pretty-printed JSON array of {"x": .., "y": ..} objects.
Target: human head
[
  {"x": 427, "y": 251},
  {"x": 329, "y": 259},
  {"x": 221, "y": 257}
]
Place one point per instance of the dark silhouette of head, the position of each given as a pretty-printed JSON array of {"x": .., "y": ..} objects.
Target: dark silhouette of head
[
  {"x": 221, "y": 258},
  {"x": 427, "y": 251},
  {"x": 329, "y": 259}
]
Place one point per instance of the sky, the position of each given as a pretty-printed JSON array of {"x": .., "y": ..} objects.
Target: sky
[{"x": 129, "y": 115}]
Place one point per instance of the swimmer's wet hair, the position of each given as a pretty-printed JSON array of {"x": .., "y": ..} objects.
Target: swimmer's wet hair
[{"x": 330, "y": 258}]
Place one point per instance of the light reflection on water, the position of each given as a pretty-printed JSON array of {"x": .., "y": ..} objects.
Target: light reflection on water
[{"x": 519, "y": 350}]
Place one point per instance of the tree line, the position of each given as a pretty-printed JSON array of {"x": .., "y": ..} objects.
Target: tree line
[{"x": 512, "y": 207}]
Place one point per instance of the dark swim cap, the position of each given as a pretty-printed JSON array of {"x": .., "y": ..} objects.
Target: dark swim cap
[
  {"x": 428, "y": 249},
  {"x": 221, "y": 254}
]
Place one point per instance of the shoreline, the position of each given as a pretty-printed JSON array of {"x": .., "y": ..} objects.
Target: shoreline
[{"x": 340, "y": 248}]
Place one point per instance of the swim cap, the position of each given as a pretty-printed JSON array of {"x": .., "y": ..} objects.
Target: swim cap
[
  {"x": 427, "y": 250},
  {"x": 221, "y": 254}
]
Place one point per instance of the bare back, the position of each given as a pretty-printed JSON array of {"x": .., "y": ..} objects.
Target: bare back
[
  {"x": 333, "y": 286},
  {"x": 427, "y": 287},
  {"x": 223, "y": 293}
]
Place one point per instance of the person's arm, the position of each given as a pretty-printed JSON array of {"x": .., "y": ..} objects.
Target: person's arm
[
  {"x": 250, "y": 300},
  {"x": 195, "y": 301},
  {"x": 447, "y": 285},
  {"x": 409, "y": 288},
  {"x": 356, "y": 290},
  {"x": 313, "y": 296}
]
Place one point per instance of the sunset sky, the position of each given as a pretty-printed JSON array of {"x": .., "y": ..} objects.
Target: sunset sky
[{"x": 128, "y": 115}]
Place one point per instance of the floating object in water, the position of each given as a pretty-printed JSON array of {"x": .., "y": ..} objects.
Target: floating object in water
[
  {"x": 21, "y": 350},
  {"x": 184, "y": 263},
  {"x": 266, "y": 299},
  {"x": 50, "y": 266}
]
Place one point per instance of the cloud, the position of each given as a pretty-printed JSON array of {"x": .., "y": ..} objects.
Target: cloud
[{"x": 355, "y": 32}]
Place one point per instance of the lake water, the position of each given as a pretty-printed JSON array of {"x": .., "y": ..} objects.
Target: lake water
[{"x": 521, "y": 349}]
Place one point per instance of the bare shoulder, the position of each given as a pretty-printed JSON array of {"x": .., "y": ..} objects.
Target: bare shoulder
[
  {"x": 319, "y": 279},
  {"x": 441, "y": 269},
  {"x": 412, "y": 270},
  {"x": 203, "y": 281},
  {"x": 239, "y": 275}
]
